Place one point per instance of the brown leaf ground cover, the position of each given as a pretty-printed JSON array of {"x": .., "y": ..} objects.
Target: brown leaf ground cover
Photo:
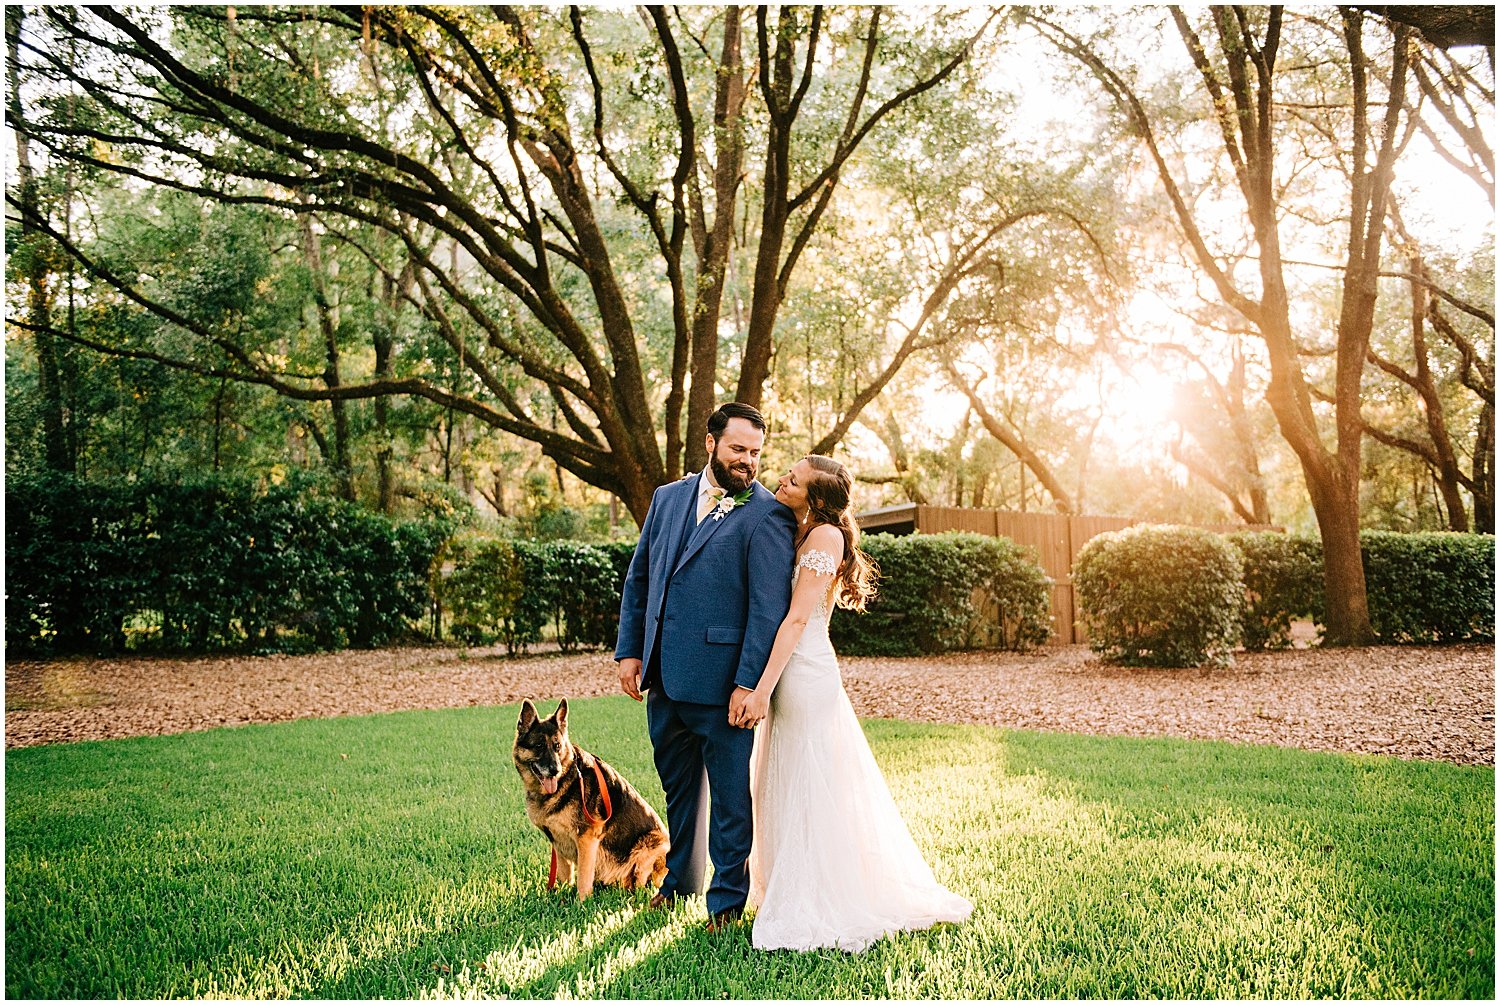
[{"x": 1412, "y": 702}]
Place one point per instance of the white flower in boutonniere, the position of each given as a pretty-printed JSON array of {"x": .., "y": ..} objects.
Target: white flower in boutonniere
[{"x": 729, "y": 503}]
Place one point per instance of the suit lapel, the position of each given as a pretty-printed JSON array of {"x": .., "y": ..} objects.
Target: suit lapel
[
  {"x": 679, "y": 523},
  {"x": 699, "y": 535}
]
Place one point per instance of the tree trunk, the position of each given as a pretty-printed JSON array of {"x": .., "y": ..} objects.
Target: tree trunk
[
  {"x": 1243, "y": 103},
  {"x": 382, "y": 338},
  {"x": 1244, "y": 435},
  {"x": 384, "y": 449},
  {"x": 956, "y": 462},
  {"x": 1335, "y": 490},
  {"x": 496, "y": 496},
  {"x": 765, "y": 292},
  {"x": 1449, "y": 476},
  {"x": 57, "y": 453},
  {"x": 765, "y": 295},
  {"x": 1484, "y": 471},
  {"x": 1478, "y": 375},
  {"x": 713, "y": 253},
  {"x": 343, "y": 470},
  {"x": 1337, "y": 507}
]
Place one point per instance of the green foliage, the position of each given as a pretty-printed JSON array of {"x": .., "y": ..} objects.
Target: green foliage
[
  {"x": 1283, "y": 582},
  {"x": 585, "y": 593},
  {"x": 620, "y": 553},
  {"x": 940, "y": 592},
  {"x": 512, "y": 590},
  {"x": 1021, "y": 592},
  {"x": 1160, "y": 595},
  {"x": 1426, "y": 587},
  {"x": 390, "y": 856},
  {"x": 479, "y": 583},
  {"x": 206, "y": 565},
  {"x": 1430, "y": 587}
]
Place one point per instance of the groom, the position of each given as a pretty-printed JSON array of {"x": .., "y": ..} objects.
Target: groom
[{"x": 705, "y": 594}]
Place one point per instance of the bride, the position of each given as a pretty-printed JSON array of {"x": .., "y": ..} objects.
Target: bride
[{"x": 832, "y": 864}]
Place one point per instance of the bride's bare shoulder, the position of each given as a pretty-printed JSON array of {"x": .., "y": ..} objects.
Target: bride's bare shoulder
[{"x": 824, "y": 537}]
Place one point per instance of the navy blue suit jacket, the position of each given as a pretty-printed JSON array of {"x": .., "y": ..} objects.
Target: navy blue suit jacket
[{"x": 717, "y": 597}]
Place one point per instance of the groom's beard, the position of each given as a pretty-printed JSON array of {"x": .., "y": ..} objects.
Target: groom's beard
[{"x": 732, "y": 478}]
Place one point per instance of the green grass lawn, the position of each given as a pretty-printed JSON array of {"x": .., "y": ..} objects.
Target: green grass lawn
[{"x": 389, "y": 856}]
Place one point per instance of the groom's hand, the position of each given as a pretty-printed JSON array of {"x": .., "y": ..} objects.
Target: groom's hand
[
  {"x": 739, "y": 708},
  {"x": 630, "y": 677}
]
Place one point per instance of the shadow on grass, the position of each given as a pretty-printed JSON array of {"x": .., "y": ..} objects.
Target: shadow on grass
[
  {"x": 525, "y": 946},
  {"x": 1266, "y": 872},
  {"x": 389, "y": 856}
]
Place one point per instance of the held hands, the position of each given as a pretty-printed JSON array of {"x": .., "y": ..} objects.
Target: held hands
[
  {"x": 747, "y": 708},
  {"x": 630, "y": 677}
]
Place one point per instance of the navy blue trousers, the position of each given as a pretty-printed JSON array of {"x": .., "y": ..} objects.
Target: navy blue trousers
[{"x": 690, "y": 740}]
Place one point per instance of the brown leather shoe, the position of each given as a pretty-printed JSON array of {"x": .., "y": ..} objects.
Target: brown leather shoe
[
  {"x": 663, "y": 901},
  {"x": 725, "y": 919}
]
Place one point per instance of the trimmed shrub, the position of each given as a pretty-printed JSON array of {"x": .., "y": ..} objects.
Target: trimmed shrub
[
  {"x": 479, "y": 582},
  {"x": 1421, "y": 588},
  {"x": 1156, "y": 595},
  {"x": 575, "y": 589},
  {"x": 941, "y": 592},
  {"x": 393, "y": 583},
  {"x": 1013, "y": 603},
  {"x": 1430, "y": 587},
  {"x": 205, "y": 566},
  {"x": 1283, "y": 582},
  {"x": 512, "y": 590},
  {"x": 620, "y": 553}
]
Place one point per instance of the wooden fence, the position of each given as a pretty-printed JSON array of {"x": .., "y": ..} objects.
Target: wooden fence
[{"x": 1055, "y": 537}]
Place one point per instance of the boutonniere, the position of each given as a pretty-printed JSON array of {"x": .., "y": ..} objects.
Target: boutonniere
[{"x": 730, "y": 503}]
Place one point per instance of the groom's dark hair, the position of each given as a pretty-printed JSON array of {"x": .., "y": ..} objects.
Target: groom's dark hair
[{"x": 734, "y": 410}]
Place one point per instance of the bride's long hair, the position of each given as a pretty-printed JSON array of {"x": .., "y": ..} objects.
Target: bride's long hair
[{"x": 828, "y": 502}]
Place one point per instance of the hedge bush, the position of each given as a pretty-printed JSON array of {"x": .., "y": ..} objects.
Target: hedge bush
[
  {"x": 226, "y": 564},
  {"x": 206, "y": 565},
  {"x": 579, "y": 594},
  {"x": 620, "y": 553},
  {"x": 1283, "y": 582},
  {"x": 479, "y": 582},
  {"x": 941, "y": 592},
  {"x": 1155, "y": 595},
  {"x": 513, "y": 590},
  {"x": 1430, "y": 587}
]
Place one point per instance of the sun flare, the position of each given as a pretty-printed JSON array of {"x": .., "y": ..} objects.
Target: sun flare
[{"x": 1138, "y": 408}]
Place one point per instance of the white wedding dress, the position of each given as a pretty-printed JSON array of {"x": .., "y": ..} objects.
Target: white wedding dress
[{"x": 832, "y": 864}]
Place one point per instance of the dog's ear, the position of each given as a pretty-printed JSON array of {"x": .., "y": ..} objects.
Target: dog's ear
[
  {"x": 561, "y": 715},
  {"x": 528, "y": 716}
]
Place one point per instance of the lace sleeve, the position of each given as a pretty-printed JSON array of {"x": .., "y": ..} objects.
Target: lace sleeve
[{"x": 818, "y": 561}]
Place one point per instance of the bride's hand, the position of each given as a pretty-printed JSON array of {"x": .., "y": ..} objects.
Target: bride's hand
[{"x": 754, "y": 708}]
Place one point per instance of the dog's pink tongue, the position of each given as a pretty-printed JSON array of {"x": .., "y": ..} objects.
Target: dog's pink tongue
[{"x": 549, "y": 785}]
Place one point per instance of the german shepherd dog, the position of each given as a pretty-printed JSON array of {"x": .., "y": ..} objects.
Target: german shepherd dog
[{"x": 591, "y": 815}]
